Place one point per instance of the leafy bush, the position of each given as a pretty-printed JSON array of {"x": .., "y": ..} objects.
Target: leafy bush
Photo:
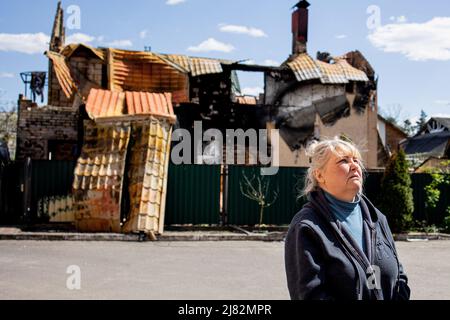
[
  {"x": 447, "y": 224},
  {"x": 396, "y": 198},
  {"x": 439, "y": 177}
]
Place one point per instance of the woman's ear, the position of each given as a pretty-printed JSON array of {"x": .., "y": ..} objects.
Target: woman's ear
[{"x": 319, "y": 176}]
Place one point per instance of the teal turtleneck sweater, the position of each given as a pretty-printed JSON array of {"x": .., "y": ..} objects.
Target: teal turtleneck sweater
[{"x": 350, "y": 215}]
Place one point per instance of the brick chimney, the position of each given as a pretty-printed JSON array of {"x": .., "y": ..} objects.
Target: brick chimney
[{"x": 300, "y": 27}]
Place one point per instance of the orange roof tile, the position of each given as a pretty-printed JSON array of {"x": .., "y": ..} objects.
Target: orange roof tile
[
  {"x": 350, "y": 72},
  {"x": 104, "y": 103},
  {"x": 331, "y": 73},
  {"x": 195, "y": 65},
  {"x": 149, "y": 103},
  {"x": 246, "y": 100},
  {"x": 63, "y": 74},
  {"x": 306, "y": 68},
  {"x": 110, "y": 104},
  {"x": 146, "y": 71}
]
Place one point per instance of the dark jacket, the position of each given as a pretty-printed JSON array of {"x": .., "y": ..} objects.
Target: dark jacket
[{"x": 323, "y": 261}]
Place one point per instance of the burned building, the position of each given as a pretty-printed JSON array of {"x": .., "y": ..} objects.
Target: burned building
[
  {"x": 114, "y": 111},
  {"x": 324, "y": 97},
  {"x": 305, "y": 98},
  {"x": 202, "y": 89}
]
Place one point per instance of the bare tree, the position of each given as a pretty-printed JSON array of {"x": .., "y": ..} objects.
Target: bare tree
[
  {"x": 256, "y": 188},
  {"x": 8, "y": 121},
  {"x": 392, "y": 113}
]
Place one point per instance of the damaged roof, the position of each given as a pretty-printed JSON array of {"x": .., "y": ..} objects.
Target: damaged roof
[
  {"x": 145, "y": 71},
  {"x": 138, "y": 70},
  {"x": 148, "y": 175},
  {"x": 63, "y": 73},
  {"x": 246, "y": 100},
  {"x": 306, "y": 68},
  {"x": 350, "y": 72},
  {"x": 197, "y": 66},
  {"x": 70, "y": 49},
  {"x": 110, "y": 104},
  {"x": 101, "y": 165},
  {"x": 331, "y": 73}
]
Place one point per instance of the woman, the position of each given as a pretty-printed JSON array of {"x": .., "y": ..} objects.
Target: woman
[{"x": 339, "y": 246}]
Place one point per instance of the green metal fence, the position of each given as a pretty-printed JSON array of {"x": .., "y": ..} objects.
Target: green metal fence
[
  {"x": 11, "y": 197},
  {"x": 193, "y": 194},
  {"x": 50, "y": 178},
  {"x": 22, "y": 185},
  {"x": 287, "y": 183},
  {"x": 419, "y": 181}
]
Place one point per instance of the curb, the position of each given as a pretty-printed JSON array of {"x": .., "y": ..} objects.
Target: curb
[
  {"x": 416, "y": 236},
  {"x": 169, "y": 236},
  {"x": 275, "y": 236},
  {"x": 59, "y": 236}
]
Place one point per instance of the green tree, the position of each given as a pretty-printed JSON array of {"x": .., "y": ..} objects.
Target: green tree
[
  {"x": 408, "y": 127},
  {"x": 396, "y": 198},
  {"x": 422, "y": 121}
]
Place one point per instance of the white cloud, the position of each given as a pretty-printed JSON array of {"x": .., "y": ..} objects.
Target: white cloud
[
  {"x": 79, "y": 38},
  {"x": 252, "y": 91},
  {"x": 212, "y": 45},
  {"x": 267, "y": 62},
  {"x": 399, "y": 19},
  {"x": 443, "y": 102},
  {"x": 253, "y": 32},
  {"x": 30, "y": 43},
  {"x": 341, "y": 36},
  {"x": 6, "y": 75},
  {"x": 439, "y": 115},
  {"x": 417, "y": 41},
  {"x": 272, "y": 63},
  {"x": 120, "y": 43},
  {"x": 174, "y": 2},
  {"x": 143, "y": 34}
]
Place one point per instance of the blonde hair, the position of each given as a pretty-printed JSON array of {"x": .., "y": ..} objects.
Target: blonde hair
[{"x": 319, "y": 153}]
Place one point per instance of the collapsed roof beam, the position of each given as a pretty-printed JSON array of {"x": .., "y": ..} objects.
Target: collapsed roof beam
[{"x": 251, "y": 67}]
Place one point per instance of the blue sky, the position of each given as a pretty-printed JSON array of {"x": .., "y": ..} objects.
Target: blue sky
[{"x": 407, "y": 42}]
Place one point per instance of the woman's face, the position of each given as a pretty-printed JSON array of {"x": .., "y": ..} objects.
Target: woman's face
[{"x": 341, "y": 176}]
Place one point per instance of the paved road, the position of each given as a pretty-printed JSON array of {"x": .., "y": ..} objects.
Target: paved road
[{"x": 181, "y": 270}]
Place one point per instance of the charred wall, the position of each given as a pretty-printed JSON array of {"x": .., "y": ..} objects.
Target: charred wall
[{"x": 42, "y": 130}]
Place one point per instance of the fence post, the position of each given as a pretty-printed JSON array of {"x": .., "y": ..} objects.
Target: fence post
[
  {"x": 224, "y": 214},
  {"x": 26, "y": 189}
]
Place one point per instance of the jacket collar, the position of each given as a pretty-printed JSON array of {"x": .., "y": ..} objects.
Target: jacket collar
[{"x": 318, "y": 200}]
